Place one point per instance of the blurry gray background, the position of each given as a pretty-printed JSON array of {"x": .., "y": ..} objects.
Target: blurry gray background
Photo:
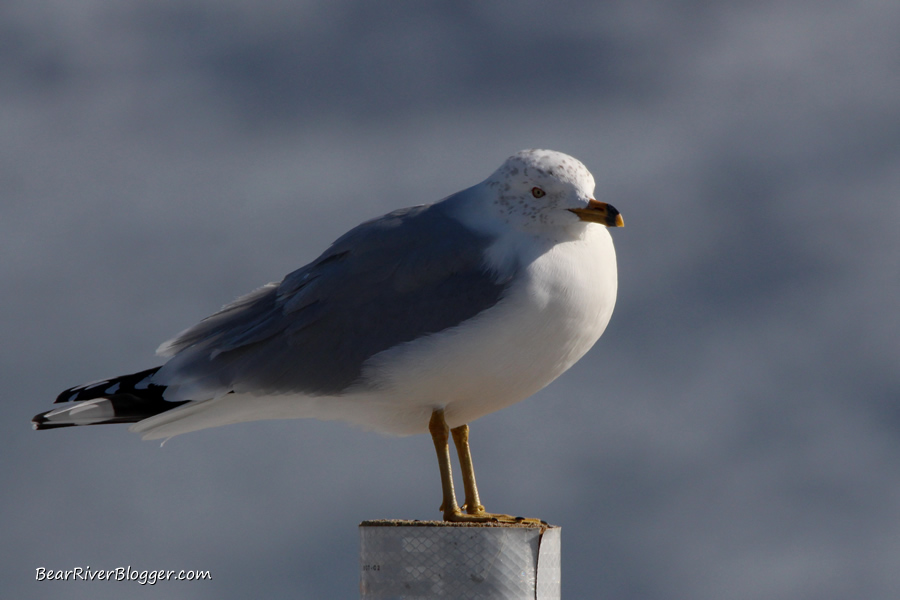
[{"x": 734, "y": 435}]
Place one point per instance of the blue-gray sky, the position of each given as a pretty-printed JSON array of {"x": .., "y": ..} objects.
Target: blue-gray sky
[{"x": 734, "y": 435}]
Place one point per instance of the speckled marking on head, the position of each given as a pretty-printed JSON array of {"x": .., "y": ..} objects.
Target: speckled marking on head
[{"x": 565, "y": 180}]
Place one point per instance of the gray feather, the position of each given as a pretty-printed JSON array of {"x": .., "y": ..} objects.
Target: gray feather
[{"x": 388, "y": 281}]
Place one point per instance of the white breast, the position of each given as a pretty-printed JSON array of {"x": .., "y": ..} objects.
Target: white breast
[{"x": 554, "y": 312}]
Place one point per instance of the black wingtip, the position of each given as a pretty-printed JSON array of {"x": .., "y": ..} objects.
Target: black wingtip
[
  {"x": 102, "y": 388},
  {"x": 37, "y": 422},
  {"x": 42, "y": 423},
  {"x": 125, "y": 399},
  {"x": 109, "y": 410}
]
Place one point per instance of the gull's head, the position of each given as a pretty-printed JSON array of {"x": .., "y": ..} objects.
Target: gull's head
[{"x": 545, "y": 191}]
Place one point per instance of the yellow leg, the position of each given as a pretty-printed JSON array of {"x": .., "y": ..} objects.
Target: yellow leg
[
  {"x": 440, "y": 434},
  {"x": 461, "y": 441}
]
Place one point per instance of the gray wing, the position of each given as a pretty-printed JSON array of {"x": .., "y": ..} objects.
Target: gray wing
[{"x": 407, "y": 274}]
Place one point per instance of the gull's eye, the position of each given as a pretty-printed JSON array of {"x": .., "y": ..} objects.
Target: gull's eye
[{"x": 538, "y": 192}]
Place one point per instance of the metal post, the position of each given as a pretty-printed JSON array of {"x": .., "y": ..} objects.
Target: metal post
[{"x": 437, "y": 559}]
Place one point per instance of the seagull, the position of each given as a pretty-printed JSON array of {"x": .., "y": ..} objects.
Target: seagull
[{"x": 422, "y": 320}]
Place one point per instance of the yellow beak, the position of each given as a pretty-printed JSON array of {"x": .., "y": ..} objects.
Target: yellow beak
[{"x": 600, "y": 212}]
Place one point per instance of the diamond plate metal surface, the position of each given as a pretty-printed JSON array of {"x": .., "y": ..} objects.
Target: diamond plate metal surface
[{"x": 448, "y": 561}]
